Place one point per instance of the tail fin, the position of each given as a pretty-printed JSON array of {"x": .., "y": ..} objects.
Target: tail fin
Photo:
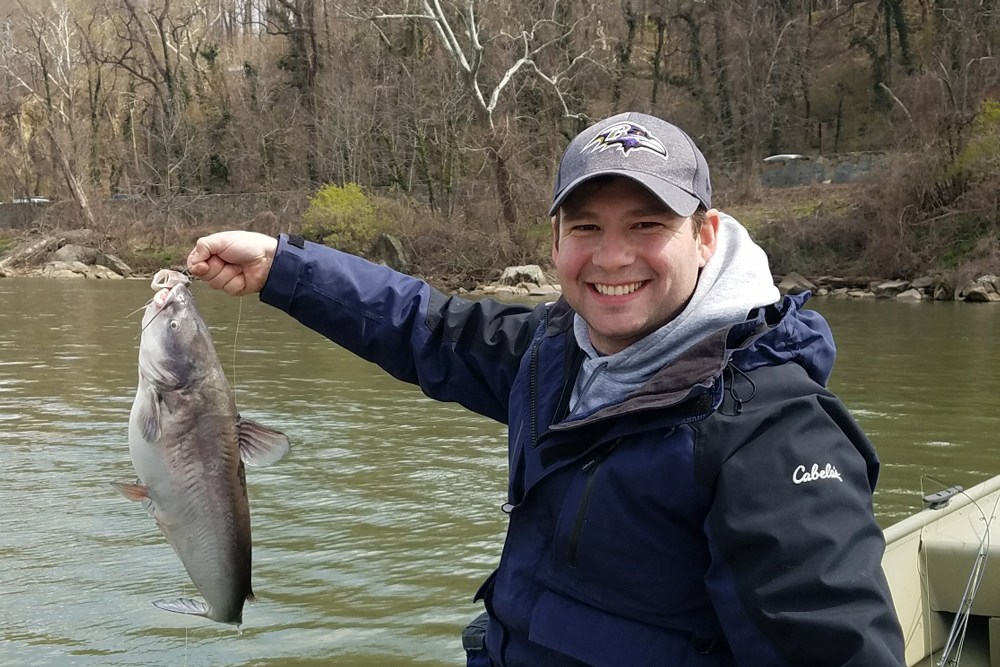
[{"x": 183, "y": 606}]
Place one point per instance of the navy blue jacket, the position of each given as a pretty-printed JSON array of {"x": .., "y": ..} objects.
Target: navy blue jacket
[{"x": 720, "y": 515}]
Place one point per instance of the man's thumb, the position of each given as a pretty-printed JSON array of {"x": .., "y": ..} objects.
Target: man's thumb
[{"x": 202, "y": 251}]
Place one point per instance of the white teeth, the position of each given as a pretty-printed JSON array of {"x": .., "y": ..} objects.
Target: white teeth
[{"x": 617, "y": 290}]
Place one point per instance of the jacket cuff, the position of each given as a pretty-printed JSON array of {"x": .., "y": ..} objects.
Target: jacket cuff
[{"x": 289, "y": 260}]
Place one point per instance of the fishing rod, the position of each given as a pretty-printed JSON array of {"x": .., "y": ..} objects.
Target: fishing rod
[{"x": 960, "y": 625}]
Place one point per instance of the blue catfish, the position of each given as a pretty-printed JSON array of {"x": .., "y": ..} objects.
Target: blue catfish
[{"x": 188, "y": 445}]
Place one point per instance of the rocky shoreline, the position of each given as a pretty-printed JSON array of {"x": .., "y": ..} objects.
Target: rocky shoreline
[
  {"x": 531, "y": 281},
  {"x": 57, "y": 257},
  {"x": 66, "y": 257},
  {"x": 984, "y": 289}
]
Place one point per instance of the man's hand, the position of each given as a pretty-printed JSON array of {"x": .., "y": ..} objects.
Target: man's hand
[{"x": 236, "y": 262}]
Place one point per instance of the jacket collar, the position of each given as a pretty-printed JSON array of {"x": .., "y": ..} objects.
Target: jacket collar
[{"x": 691, "y": 375}]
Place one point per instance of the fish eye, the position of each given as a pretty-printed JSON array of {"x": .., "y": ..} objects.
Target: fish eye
[{"x": 175, "y": 325}]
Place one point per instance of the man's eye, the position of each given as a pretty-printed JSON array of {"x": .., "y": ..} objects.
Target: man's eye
[
  {"x": 649, "y": 224},
  {"x": 584, "y": 228}
]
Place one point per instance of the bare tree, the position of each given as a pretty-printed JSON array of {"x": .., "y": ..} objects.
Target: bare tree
[
  {"x": 158, "y": 46},
  {"x": 472, "y": 51},
  {"x": 53, "y": 58},
  {"x": 297, "y": 21},
  {"x": 965, "y": 66}
]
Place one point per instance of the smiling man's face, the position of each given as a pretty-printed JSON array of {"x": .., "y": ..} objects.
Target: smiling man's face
[{"x": 626, "y": 263}]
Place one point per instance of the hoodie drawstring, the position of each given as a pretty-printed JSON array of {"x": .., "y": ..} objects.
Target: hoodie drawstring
[{"x": 737, "y": 399}]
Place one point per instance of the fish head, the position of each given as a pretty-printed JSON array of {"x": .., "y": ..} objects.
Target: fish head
[{"x": 176, "y": 348}]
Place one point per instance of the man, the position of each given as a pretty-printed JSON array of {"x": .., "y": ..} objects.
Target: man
[{"x": 683, "y": 488}]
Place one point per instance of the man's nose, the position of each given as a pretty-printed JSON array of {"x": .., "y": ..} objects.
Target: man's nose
[{"x": 614, "y": 251}]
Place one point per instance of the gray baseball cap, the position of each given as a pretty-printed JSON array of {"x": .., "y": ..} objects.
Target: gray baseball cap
[{"x": 650, "y": 151}]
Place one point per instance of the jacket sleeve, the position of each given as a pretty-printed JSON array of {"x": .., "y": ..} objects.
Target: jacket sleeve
[
  {"x": 796, "y": 575},
  {"x": 454, "y": 349}
]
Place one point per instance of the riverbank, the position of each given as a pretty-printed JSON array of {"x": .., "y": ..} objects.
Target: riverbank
[
  {"x": 818, "y": 237},
  {"x": 533, "y": 282}
]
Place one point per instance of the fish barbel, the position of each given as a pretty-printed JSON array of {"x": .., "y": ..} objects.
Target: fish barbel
[{"x": 188, "y": 445}]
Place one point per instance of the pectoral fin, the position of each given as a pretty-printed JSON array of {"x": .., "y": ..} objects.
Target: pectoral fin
[
  {"x": 137, "y": 492},
  {"x": 260, "y": 445},
  {"x": 183, "y": 606},
  {"x": 147, "y": 413}
]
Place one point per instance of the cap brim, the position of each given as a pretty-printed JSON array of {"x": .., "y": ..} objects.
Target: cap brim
[{"x": 674, "y": 198}]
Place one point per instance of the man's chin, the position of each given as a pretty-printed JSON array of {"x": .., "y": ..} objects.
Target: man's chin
[{"x": 609, "y": 340}]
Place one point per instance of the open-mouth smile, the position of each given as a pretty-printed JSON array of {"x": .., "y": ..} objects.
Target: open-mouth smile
[{"x": 617, "y": 290}]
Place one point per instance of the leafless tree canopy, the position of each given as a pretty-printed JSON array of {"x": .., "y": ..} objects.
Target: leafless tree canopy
[{"x": 460, "y": 102}]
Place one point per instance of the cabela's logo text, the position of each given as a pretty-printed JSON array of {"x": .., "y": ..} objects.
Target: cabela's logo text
[{"x": 801, "y": 475}]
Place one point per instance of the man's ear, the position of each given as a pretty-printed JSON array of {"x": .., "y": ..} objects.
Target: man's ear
[
  {"x": 708, "y": 236},
  {"x": 555, "y": 237}
]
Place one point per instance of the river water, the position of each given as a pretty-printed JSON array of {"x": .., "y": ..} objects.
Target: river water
[{"x": 372, "y": 535}]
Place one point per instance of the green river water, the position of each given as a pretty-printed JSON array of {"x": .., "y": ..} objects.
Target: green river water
[{"x": 372, "y": 535}]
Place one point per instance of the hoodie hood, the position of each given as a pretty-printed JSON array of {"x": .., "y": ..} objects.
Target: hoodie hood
[
  {"x": 801, "y": 336},
  {"x": 735, "y": 282}
]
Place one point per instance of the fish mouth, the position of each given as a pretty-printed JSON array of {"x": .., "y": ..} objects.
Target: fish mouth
[
  {"x": 165, "y": 283},
  {"x": 163, "y": 297}
]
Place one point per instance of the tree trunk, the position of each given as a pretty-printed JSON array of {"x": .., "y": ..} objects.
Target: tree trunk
[
  {"x": 725, "y": 113},
  {"x": 895, "y": 8},
  {"x": 502, "y": 178},
  {"x": 71, "y": 180},
  {"x": 33, "y": 251},
  {"x": 623, "y": 53},
  {"x": 661, "y": 28}
]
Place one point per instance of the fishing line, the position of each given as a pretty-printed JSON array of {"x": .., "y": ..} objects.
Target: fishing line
[
  {"x": 236, "y": 337},
  {"x": 187, "y": 624}
]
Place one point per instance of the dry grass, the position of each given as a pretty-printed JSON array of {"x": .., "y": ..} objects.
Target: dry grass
[{"x": 816, "y": 201}]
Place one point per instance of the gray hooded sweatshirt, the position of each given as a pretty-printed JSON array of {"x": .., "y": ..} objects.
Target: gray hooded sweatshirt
[{"x": 735, "y": 281}]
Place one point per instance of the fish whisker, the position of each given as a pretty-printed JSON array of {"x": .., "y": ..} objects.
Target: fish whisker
[
  {"x": 140, "y": 308},
  {"x": 157, "y": 314}
]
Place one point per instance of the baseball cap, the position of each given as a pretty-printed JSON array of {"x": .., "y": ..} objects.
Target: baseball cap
[{"x": 646, "y": 149}]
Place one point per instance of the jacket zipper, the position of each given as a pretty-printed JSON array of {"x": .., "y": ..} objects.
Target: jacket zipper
[
  {"x": 534, "y": 380},
  {"x": 590, "y": 467}
]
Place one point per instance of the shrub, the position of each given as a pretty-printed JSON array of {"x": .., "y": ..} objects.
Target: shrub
[
  {"x": 343, "y": 218},
  {"x": 7, "y": 243}
]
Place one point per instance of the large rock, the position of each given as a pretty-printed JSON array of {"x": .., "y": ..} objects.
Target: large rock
[
  {"x": 113, "y": 263},
  {"x": 944, "y": 292},
  {"x": 65, "y": 270},
  {"x": 890, "y": 288},
  {"x": 506, "y": 291},
  {"x": 543, "y": 290},
  {"x": 389, "y": 250},
  {"x": 103, "y": 272},
  {"x": 75, "y": 253},
  {"x": 982, "y": 290},
  {"x": 531, "y": 273},
  {"x": 795, "y": 283},
  {"x": 78, "y": 270},
  {"x": 910, "y": 295}
]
